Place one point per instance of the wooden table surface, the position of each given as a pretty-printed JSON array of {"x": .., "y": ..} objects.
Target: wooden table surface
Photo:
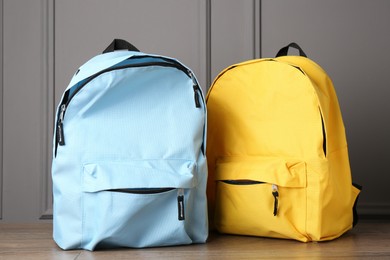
[{"x": 368, "y": 240}]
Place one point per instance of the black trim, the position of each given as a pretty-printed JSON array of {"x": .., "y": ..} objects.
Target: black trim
[
  {"x": 242, "y": 182},
  {"x": 324, "y": 146},
  {"x": 284, "y": 51},
  {"x": 119, "y": 44},
  {"x": 162, "y": 64},
  {"x": 142, "y": 190},
  {"x": 298, "y": 68},
  {"x": 354, "y": 209}
]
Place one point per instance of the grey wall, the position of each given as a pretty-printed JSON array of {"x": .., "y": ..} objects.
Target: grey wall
[
  {"x": 26, "y": 111},
  {"x": 43, "y": 42}
]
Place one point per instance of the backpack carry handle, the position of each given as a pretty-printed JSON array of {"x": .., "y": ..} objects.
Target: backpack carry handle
[
  {"x": 283, "y": 51},
  {"x": 119, "y": 44}
]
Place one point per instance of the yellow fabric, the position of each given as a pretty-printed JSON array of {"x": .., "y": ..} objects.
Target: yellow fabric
[{"x": 278, "y": 122}]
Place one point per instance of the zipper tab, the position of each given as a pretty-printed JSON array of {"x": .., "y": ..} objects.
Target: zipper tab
[
  {"x": 180, "y": 204},
  {"x": 60, "y": 126},
  {"x": 196, "y": 89},
  {"x": 196, "y": 96},
  {"x": 62, "y": 112},
  {"x": 275, "y": 193}
]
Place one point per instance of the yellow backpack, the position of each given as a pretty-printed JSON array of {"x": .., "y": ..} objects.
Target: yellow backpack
[{"x": 277, "y": 151}]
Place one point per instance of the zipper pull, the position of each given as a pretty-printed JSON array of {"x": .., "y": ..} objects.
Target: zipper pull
[
  {"x": 60, "y": 126},
  {"x": 196, "y": 96},
  {"x": 196, "y": 89},
  {"x": 180, "y": 203},
  {"x": 275, "y": 193}
]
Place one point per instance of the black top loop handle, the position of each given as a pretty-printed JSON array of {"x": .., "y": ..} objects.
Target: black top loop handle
[
  {"x": 283, "y": 51},
  {"x": 119, "y": 44}
]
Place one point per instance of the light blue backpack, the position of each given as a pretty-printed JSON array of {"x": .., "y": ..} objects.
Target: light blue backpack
[{"x": 129, "y": 166}]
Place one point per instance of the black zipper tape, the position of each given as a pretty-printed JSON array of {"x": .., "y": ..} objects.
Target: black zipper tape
[
  {"x": 242, "y": 182},
  {"x": 142, "y": 190}
]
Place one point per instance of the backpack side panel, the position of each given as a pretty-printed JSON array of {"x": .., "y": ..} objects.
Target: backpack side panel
[{"x": 336, "y": 213}]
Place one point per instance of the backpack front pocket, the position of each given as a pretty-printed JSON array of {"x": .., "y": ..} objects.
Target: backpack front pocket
[
  {"x": 261, "y": 197},
  {"x": 136, "y": 204}
]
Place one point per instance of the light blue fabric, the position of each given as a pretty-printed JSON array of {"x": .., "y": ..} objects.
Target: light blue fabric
[
  {"x": 99, "y": 63},
  {"x": 130, "y": 128}
]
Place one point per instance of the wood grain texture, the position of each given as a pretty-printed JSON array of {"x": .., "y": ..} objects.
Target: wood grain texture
[{"x": 368, "y": 240}]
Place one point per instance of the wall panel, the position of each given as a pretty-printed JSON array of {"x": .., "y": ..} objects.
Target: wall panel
[
  {"x": 24, "y": 105},
  {"x": 174, "y": 28},
  {"x": 233, "y": 33}
]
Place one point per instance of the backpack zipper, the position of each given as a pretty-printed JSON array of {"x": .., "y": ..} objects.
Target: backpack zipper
[
  {"x": 142, "y": 190},
  {"x": 196, "y": 89},
  {"x": 275, "y": 193},
  {"x": 67, "y": 98},
  {"x": 180, "y": 196},
  {"x": 180, "y": 204},
  {"x": 275, "y": 190},
  {"x": 242, "y": 182},
  {"x": 60, "y": 126}
]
